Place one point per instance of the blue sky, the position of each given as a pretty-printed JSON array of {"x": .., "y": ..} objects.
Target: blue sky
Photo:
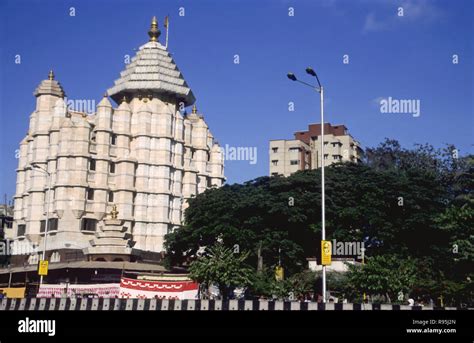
[{"x": 246, "y": 104}]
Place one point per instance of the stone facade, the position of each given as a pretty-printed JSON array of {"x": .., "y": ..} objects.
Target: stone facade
[
  {"x": 145, "y": 156},
  {"x": 303, "y": 152}
]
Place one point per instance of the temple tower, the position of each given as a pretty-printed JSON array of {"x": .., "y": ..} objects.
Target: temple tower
[{"x": 144, "y": 158}]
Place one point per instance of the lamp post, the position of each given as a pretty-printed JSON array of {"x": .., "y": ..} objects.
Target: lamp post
[
  {"x": 44, "y": 171},
  {"x": 320, "y": 90},
  {"x": 9, "y": 276}
]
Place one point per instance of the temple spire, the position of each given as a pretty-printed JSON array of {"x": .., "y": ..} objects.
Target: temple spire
[
  {"x": 195, "y": 110},
  {"x": 154, "y": 31},
  {"x": 50, "y": 86}
]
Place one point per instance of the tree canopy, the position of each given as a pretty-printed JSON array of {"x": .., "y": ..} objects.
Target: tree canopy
[{"x": 414, "y": 204}]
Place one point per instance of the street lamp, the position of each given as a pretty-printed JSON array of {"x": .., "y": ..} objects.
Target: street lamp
[
  {"x": 44, "y": 171},
  {"x": 320, "y": 90}
]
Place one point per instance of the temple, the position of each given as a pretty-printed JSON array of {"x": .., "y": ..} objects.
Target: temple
[{"x": 108, "y": 186}]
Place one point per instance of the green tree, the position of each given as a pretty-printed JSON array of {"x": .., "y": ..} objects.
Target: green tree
[
  {"x": 385, "y": 275},
  {"x": 280, "y": 217},
  {"x": 222, "y": 267},
  {"x": 298, "y": 285}
]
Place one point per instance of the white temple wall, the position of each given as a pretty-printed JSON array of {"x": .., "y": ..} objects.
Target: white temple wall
[{"x": 148, "y": 155}]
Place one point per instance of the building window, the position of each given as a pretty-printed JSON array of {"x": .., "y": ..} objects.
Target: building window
[
  {"x": 275, "y": 150},
  {"x": 92, "y": 164},
  {"x": 274, "y": 174},
  {"x": 88, "y": 224},
  {"x": 134, "y": 197},
  {"x": 113, "y": 139},
  {"x": 294, "y": 162},
  {"x": 111, "y": 196},
  {"x": 326, "y": 156},
  {"x": 21, "y": 229},
  {"x": 112, "y": 168},
  {"x": 275, "y": 162},
  {"x": 294, "y": 149},
  {"x": 90, "y": 194},
  {"x": 52, "y": 225},
  {"x": 93, "y": 136}
]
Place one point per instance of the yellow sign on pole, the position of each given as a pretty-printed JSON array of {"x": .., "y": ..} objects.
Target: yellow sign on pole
[
  {"x": 279, "y": 273},
  {"x": 43, "y": 267},
  {"x": 325, "y": 253}
]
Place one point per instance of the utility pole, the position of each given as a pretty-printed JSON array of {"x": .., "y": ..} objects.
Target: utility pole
[{"x": 320, "y": 90}]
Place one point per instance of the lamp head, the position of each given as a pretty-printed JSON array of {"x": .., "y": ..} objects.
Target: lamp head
[
  {"x": 310, "y": 71},
  {"x": 291, "y": 76}
]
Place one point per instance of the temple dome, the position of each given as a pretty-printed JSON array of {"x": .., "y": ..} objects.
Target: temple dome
[{"x": 152, "y": 71}]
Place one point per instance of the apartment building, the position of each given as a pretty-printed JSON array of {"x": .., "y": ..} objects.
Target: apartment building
[{"x": 304, "y": 152}]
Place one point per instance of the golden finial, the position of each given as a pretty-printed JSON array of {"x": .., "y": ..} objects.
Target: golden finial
[
  {"x": 114, "y": 213},
  {"x": 195, "y": 110},
  {"x": 51, "y": 75},
  {"x": 154, "y": 31},
  {"x": 105, "y": 95},
  {"x": 124, "y": 99}
]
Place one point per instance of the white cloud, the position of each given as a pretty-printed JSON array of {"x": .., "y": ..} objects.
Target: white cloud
[
  {"x": 419, "y": 11},
  {"x": 373, "y": 24}
]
